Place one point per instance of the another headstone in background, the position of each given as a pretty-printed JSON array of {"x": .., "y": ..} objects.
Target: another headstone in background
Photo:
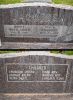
[{"x": 36, "y": 72}]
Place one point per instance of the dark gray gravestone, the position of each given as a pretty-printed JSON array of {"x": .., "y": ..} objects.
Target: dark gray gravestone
[
  {"x": 36, "y": 72},
  {"x": 36, "y": 25}
]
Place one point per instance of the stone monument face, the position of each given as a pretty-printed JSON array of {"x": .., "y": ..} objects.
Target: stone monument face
[
  {"x": 35, "y": 73},
  {"x": 33, "y": 23}
]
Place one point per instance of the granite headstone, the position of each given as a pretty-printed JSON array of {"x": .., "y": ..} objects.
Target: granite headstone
[
  {"x": 36, "y": 25},
  {"x": 36, "y": 72}
]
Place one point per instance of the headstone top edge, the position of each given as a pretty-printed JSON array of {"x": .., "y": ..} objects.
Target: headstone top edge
[
  {"x": 61, "y": 6},
  {"x": 35, "y": 53}
]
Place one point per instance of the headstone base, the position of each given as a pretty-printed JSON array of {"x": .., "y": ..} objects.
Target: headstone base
[
  {"x": 36, "y": 96},
  {"x": 22, "y": 45}
]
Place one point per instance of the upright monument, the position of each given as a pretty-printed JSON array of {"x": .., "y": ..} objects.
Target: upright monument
[
  {"x": 36, "y": 72},
  {"x": 36, "y": 26}
]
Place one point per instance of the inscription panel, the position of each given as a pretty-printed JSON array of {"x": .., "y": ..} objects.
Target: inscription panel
[
  {"x": 31, "y": 31},
  {"x": 36, "y": 73}
]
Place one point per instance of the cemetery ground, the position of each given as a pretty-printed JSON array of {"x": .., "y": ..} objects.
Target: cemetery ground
[
  {"x": 8, "y": 51},
  {"x": 63, "y": 52},
  {"x": 56, "y": 52},
  {"x": 68, "y": 2}
]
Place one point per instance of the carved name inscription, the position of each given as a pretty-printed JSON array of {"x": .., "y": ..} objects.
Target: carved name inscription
[
  {"x": 30, "y": 30},
  {"x": 36, "y": 73}
]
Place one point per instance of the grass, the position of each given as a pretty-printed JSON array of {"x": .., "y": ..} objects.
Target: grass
[
  {"x": 1, "y": 52},
  {"x": 63, "y": 52},
  {"x": 9, "y": 1},
  {"x": 68, "y": 52},
  {"x": 68, "y": 2},
  {"x": 56, "y": 52}
]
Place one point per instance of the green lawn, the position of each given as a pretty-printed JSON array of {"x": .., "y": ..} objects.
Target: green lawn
[
  {"x": 68, "y": 2},
  {"x": 1, "y": 52},
  {"x": 9, "y": 1},
  {"x": 56, "y": 52},
  {"x": 63, "y": 52}
]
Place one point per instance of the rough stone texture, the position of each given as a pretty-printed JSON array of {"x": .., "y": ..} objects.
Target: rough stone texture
[
  {"x": 17, "y": 45},
  {"x": 36, "y": 72},
  {"x": 36, "y": 97},
  {"x": 35, "y": 24}
]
